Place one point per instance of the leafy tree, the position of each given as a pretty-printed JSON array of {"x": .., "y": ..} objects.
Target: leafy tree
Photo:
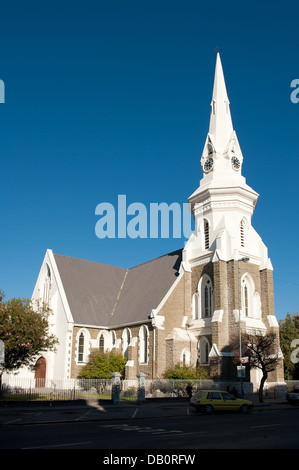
[
  {"x": 101, "y": 365},
  {"x": 262, "y": 351},
  {"x": 183, "y": 372},
  {"x": 289, "y": 330},
  {"x": 24, "y": 330}
]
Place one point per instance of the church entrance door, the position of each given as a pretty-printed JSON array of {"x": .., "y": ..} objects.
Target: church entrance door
[{"x": 40, "y": 372}]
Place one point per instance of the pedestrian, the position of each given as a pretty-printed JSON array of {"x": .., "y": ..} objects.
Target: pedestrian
[
  {"x": 189, "y": 390},
  {"x": 234, "y": 392}
]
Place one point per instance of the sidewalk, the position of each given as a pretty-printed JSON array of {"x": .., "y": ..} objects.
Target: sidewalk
[{"x": 93, "y": 410}]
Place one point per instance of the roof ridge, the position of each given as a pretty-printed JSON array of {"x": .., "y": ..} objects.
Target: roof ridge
[
  {"x": 118, "y": 295},
  {"x": 90, "y": 261}
]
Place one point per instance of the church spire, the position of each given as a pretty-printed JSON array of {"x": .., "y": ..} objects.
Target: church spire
[
  {"x": 221, "y": 127},
  {"x": 222, "y": 153}
]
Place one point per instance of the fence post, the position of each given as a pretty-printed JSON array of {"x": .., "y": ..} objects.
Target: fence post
[
  {"x": 141, "y": 387},
  {"x": 115, "y": 387}
]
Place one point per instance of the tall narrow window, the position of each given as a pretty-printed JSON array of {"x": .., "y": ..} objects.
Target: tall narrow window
[
  {"x": 47, "y": 285},
  {"x": 143, "y": 349},
  {"x": 242, "y": 233},
  {"x": 113, "y": 338},
  {"x": 207, "y": 301},
  {"x": 102, "y": 343},
  {"x": 203, "y": 351},
  {"x": 126, "y": 341},
  {"x": 249, "y": 298},
  {"x": 195, "y": 306},
  {"x": 206, "y": 235},
  {"x": 246, "y": 300},
  {"x": 81, "y": 348}
]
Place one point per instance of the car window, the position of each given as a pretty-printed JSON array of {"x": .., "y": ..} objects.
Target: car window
[
  {"x": 227, "y": 396},
  {"x": 198, "y": 394},
  {"x": 214, "y": 396}
]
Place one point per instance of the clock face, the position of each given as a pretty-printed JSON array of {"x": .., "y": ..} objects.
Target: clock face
[
  {"x": 236, "y": 163},
  {"x": 208, "y": 165}
]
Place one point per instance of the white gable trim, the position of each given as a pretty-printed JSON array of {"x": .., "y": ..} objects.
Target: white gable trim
[{"x": 65, "y": 303}]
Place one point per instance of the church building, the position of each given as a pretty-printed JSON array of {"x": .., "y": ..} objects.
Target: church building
[{"x": 183, "y": 307}]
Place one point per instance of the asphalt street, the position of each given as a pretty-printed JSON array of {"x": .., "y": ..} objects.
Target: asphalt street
[{"x": 168, "y": 425}]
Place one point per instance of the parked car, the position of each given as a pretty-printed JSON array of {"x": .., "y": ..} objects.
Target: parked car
[
  {"x": 210, "y": 400},
  {"x": 293, "y": 397}
]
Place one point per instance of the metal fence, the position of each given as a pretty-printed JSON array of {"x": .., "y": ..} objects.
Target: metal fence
[
  {"x": 47, "y": 389},
  {"x": 25, "y": 389}
]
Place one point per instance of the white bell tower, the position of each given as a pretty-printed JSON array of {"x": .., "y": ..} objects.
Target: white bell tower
[{"x": 223, "y": 204}]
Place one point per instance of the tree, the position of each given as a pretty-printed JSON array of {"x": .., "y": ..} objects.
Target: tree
[
  {"x": 262, "y": 351},
  {"x": 24, "y": 330},
  {"x": 289, "y": 331},
  {"x": 101, "y": 365}
]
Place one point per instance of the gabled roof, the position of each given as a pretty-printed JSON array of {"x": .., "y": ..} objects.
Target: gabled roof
[{"x": 103, "y": 295}]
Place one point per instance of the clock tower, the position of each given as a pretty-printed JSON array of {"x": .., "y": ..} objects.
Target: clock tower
[{"x": 228, "y": 263}]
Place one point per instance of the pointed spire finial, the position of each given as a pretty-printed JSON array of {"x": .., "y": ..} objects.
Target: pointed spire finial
[{"x": 221, "y": 126}]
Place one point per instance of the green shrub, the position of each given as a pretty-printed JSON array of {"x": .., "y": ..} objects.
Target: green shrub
[
  {"x": 180, "y": 372},
  {"x": 101, "y": 365}
]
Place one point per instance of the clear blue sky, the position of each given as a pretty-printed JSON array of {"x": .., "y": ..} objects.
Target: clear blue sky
[{"x": 113, "y": 97}]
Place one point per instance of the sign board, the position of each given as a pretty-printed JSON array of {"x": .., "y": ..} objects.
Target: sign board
[{"x": 241, "y": 371}]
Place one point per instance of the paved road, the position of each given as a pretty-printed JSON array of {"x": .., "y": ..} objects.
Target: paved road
[{"x": 168, "y": 426}]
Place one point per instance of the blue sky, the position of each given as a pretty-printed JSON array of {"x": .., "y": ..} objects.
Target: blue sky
[{"x": 108, "y": 98}]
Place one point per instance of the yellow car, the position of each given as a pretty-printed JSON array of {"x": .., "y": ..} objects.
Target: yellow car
[{"x": 210, "y": 400}]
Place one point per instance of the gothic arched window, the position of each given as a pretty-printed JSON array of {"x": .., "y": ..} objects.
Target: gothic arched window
[
  {"x": 126, "y": 341},
  {"x": 143, "y": 345},
  {"x": 204, "y": 349},
  {"x": 195, "y": 306},
  {"x": 81, "y": 347},
  {"x": 203, "y": 299},
  {"x": 247, "y": 292},
  {"x": 207, "y": 297},
  {"x": 47, "y": 285},
  {"x": 102, "y": 343}
]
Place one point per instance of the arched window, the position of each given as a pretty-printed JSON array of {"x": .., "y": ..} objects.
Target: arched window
[
  {"x": 250, "y": 299},
  {"x": 47, "y": 284},
  {"x": 195, "y": 306},
  {"x": 81, "y": 347},
  {"x": 207, "y": 297},
  {"x": 126, "y": 341},
  {"x": 143, "y": 345},
  {"x": 247, "y": 291},
  {"x": 113, "y": 339},
  {"x": 185, "y": 357},
  {"x": 83, "y": 338},
  {"x": 203, "y": 299},
  {"x": 102, "y": 343},
  {"x": 206, "y": 235},
  {"x": 204, "y": 349},
  {"x": 242, "y": 233}
]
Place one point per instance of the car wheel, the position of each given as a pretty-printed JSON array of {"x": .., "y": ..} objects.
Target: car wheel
[
  {"x": 244, "y": 409},
  {"x": 208, "y": 409}
]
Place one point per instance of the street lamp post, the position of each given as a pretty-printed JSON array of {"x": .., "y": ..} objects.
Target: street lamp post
[{"x": 240, "y": 341}]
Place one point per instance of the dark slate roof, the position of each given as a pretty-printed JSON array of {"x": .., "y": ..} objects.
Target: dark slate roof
[{"x": 103, "y": 295}]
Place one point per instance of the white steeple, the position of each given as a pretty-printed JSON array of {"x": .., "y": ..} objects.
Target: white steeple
[
  {"x": 221, "y": 126},
  {"x": 223, "y": 203},
  {"x": 222, "y": 157}
]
